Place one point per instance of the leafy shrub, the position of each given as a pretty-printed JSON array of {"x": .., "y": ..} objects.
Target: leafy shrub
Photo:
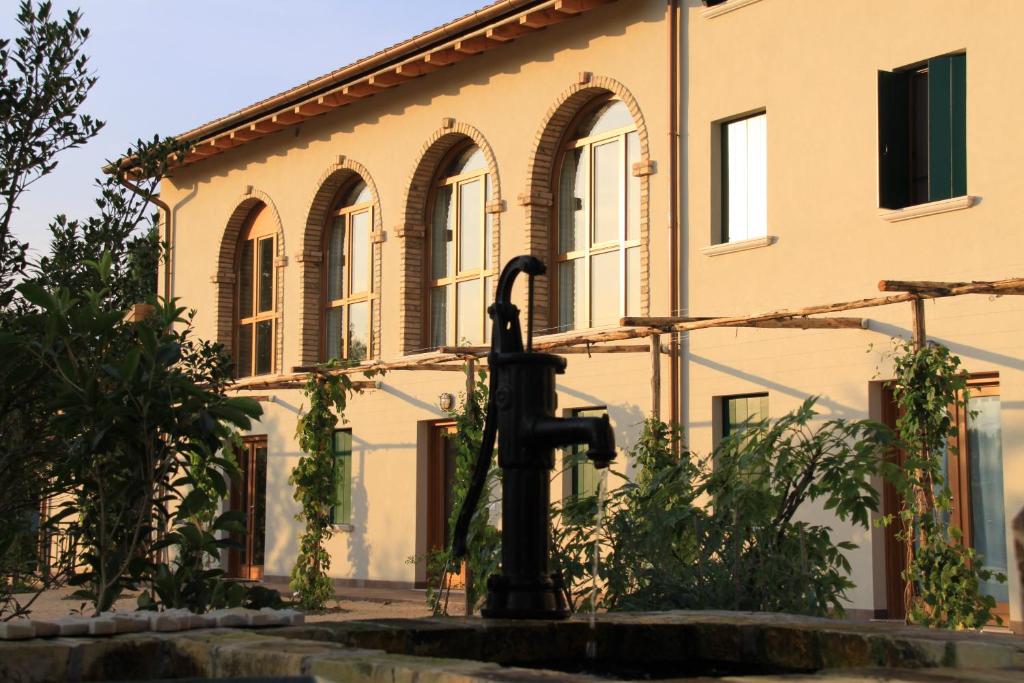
[{"x": 722, "y": 532}]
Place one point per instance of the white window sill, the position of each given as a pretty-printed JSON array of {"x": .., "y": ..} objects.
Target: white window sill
[
  {"x": 347, "y": 528},
  {"x": 742, "y": 245},
  {"x": 725, "y": 7},
  {"x": 929, "y": 209}
]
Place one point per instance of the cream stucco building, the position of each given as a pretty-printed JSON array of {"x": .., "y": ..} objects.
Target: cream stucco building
[{"x": 665, "y": 159}]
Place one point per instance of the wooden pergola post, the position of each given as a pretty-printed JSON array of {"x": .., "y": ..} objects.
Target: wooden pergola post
[
  {"x": 656, "y": 376},
  {"x": 917, "y": 321}
]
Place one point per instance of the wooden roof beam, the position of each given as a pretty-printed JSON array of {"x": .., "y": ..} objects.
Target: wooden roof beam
[
  {"x": 389, "y": 79},
  {"x": 476, "y": 44},
  {"x": 578, "y": 6},
  {"x": 246, "y": 134},
  {"x": 507, "y": 32},
  {"x": 542, "y": 18},
  {"x": 417, "y": 68},
  {"x": 267, "y": 125},
  {"x": 361, "y": 90},
  {"x": 311, "y": 108},
  {"x": 287, "y": 118},
  {"x": 444, "y": 57}
]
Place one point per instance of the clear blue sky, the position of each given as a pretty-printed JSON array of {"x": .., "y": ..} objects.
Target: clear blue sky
[{"x": 165, "y": 66}]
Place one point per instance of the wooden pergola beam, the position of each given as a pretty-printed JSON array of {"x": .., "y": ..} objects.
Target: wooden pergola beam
[
  {"x": 481, "y": 351},
  {"x": 998, "y": 287},
  {"x": 930, "y": 289}
]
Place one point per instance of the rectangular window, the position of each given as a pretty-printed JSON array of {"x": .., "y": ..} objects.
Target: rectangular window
[
  {"x": 739, "y": 412},
  {"x": 744, "y": 179},
  {"x": 922, "y": 132},
  {"x": 341, "y": 510},
  {"x": 582, "y": 477}
]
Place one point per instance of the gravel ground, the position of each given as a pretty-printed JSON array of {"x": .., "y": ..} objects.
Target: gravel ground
[{"x": 404, "y": 605}]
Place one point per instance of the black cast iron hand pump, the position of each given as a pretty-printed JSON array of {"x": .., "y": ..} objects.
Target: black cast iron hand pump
[{"x": 521, "y": 409}]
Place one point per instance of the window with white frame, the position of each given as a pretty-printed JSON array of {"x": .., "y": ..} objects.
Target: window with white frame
[
  {"x": 744, "y": 179},
  {"x": 597, "y": 243}
]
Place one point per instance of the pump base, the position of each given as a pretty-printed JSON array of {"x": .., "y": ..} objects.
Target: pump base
[{"x": 539, "y": 599}]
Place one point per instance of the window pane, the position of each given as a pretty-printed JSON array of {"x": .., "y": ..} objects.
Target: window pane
[
  {"x": 467, "y": 162},
  {"x": 342, "y": 479},
  {"x": 988, "y": 520},
  {"x": 572, "y": 202},
  {"x": 264, "y": 346},
  {"x": 607, "y": 192},
  {"x": 611, "y": 116},
  {"x": 488, "y": 299},
  {"x": 439, "y": 311},
  {"x": 259, "y": 508},
  {"x": 359, "y": 331},
  {"x": 359, "y": 259},
  {"x": 471, "y": 225},
  {"x": 757, "y": 176},
  {"x": 332, "y": 335},
  {"x": 736, "y": 191},
  {"x": 488, "y": 227},
  {"x": 245, "y": 260},
  {"x": 469, "y": 326},
  {"x": 243, "y": 354},
  {"x": 604, "y": 285},
  {"x": 336, "y": 260},
  {"x": 266, "y": 247},
  {"x": 633, "y": 279},
  {"x": 632, "y": 188},
  {"x": 572, "y": 302},
  {"x": 441, "y": 235},
  {"x": 747, "y": 173},
  {"x": 360, "y": 194}
]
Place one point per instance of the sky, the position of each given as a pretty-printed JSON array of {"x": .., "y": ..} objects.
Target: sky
[{"x": 166, "y": 66}]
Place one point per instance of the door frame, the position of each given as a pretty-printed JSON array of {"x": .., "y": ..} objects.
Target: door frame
[
  {"x": 243, "y": 498},
  {"x": 437, "y": 517},
  {"x": 958, "y": 475}
]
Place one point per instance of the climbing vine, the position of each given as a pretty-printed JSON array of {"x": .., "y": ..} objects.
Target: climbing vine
[
  {"x": 942, "y": 575},
  {"x": 483, "y": 539},
  {"x": 313, "y": 479}
]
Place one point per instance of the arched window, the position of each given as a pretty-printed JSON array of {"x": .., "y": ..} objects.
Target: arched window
[
  {"x": 597, "y": 243},
  {"x": 348, "y": 286},
  {"x": 256, "y": 303},
  {"x": 459, "y": 245}
]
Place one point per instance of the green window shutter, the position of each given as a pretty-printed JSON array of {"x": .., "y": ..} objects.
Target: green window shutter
[
  {"x": 893, "y": 139},
  {"x": 947, "y": 127},
  {"x": 341, "y": 510}
]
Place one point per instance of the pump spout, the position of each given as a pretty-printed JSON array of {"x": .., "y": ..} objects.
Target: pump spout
[{"x": 595, "y": 432}]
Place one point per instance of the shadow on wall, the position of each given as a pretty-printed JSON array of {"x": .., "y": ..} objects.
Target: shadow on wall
[{"x": 359, "y": 550}]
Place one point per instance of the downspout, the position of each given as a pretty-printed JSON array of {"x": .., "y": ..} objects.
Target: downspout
[
  {"x": 675, "y": 404},
  {"x": 161, "y": 204}
]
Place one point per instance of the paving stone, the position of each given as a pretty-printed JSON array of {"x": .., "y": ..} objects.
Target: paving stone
[
  {"x": 128, "y": 622},
  {"x": 45, "y": 629},
  {"x": 102, "y": 626},
  {"x": 17, "y": 629},
  {"x": 72, "y": 626},
  {"x": 230, "y": 617}
]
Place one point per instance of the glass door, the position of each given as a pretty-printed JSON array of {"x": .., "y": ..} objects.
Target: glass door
[
  {"x": 440, "y": 482},
  {"x": 249, "y": 496}
]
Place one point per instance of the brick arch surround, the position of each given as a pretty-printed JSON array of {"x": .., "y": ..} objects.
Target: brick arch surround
[
  {"x": 225, "y": 278},
  {"x": 538, "y": 199},
  {"x": 411, "y": 232},
  {"x": 311, "y": 257}
]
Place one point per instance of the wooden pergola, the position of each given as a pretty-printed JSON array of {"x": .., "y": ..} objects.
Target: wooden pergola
[{"x": 457, "y": 358}]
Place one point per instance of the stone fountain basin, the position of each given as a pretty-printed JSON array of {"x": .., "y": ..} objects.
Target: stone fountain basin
[{"x": 727, "y": 646}]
